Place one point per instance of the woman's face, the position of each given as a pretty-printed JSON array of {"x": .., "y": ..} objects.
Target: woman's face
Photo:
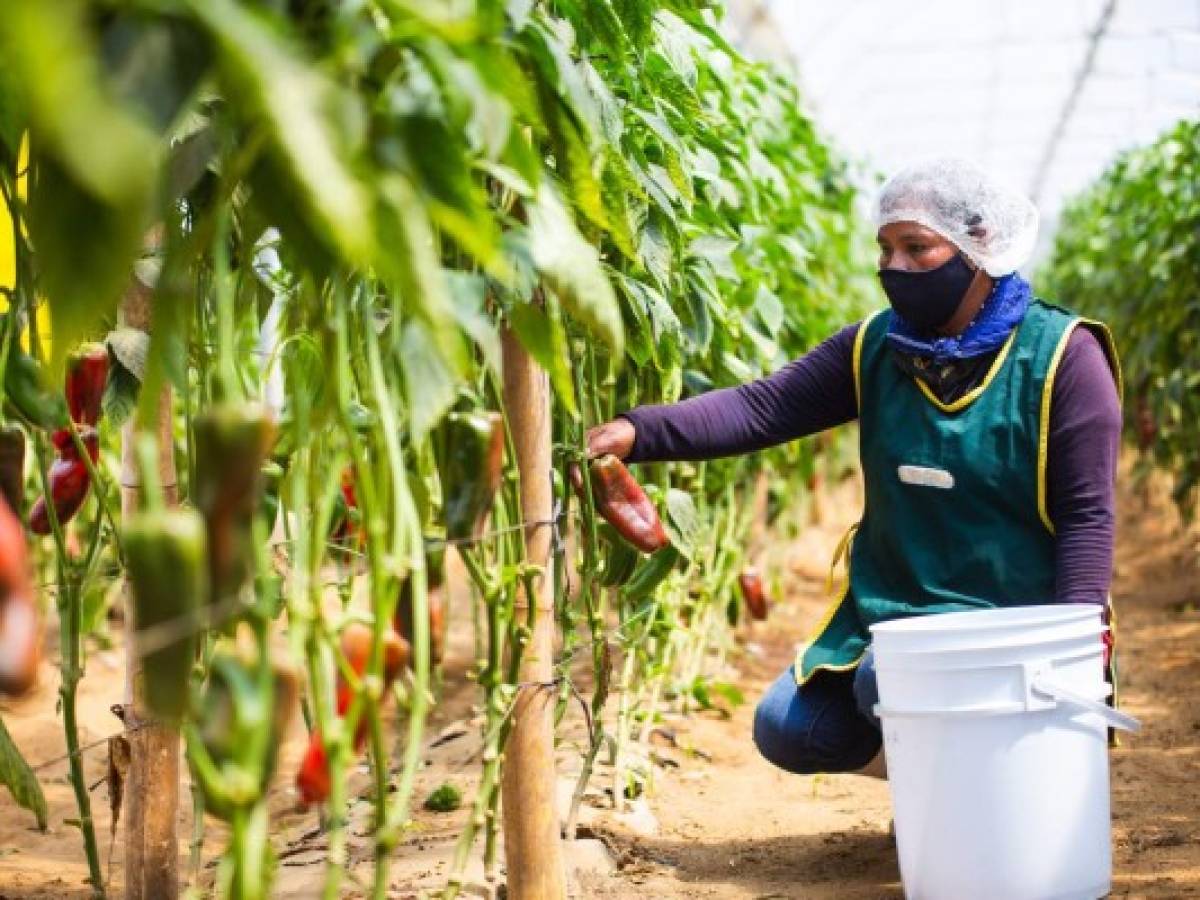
[{"x": 910, "y": 247}]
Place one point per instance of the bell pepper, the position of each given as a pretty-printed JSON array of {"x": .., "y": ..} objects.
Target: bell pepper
[
  {"x": 87, "y": 374},
  {"x": 471, "y": 465},
  {"x": 753, "y": 595},
  {"x": 64, "y": 443},
  {"x": 356, "y": 647},
  {"x": 312, "y": 779},
  {"x": 68, "y": 477},
  {"x": 434, "y": 578},
  {"x": 231, "y": 713},
  {"x": 650, "y": 573},
  {"x": 620, "y": 558},
  {"x": 623, "y": 504},
  {"x": 167, "y": 569},
  {"x": 26, "y": 390},
  {"x": 232, "y": 442},
  {"x": 19, "y": 621},
  {"x": 12, "y": 467}
]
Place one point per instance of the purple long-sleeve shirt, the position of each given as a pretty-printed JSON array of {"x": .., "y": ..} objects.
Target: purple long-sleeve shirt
[{"x": 816, "y": 392}]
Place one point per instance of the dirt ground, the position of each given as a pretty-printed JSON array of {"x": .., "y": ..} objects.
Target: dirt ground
[{"x": 718, "y": 822}]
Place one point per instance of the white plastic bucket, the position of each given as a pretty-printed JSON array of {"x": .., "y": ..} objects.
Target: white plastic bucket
[{"x": 995, "y": 735}]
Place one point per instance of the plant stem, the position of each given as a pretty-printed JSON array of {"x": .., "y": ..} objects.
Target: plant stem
[{"x": 70, "y": 620}]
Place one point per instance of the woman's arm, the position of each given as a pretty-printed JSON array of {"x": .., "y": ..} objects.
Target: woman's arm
[
  {"x": 809, "y": 394},
  {"x": 1084, "y": 439}
]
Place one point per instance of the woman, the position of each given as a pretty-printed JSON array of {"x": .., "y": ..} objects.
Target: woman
[{"x": 989, "y": 427}]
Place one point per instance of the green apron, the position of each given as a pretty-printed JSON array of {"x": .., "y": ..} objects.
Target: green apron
[{"x": 955, "y": 515}]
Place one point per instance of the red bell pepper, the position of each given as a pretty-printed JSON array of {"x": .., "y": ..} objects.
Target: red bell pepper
[
  {"x": 623, "y": 503},
  {"x": 312, "y": 779},
  {"x": 68, "y": 477},
  {"x": 87, "y": 373},
  {"x": 753, "y": 594}
]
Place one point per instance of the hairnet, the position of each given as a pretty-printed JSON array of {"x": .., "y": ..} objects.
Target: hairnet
[{"x": 993, "y": 224}]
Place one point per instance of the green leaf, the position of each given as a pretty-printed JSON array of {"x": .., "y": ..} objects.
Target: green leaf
[
  {"x": 13, "y": 115},
  {"x": 120, "y": 395},
  {"x": 664, "y": 324},
  {"x": 658, "y": 184},
  {"x": 154, "y": 64},
  {"x": 19, "y": 778},
  {"x": 467, "y": 296},
  {"x": 674, "y": 41},
  {"x": 293, "y": 102},
  {"x": 576, "y": 166},
  {"x": 655, "y": 254},
  {"x": 612, "y": 124},
  {"x": 430, "y": 382},
  {"x": 541, "y": 332},
  {"x": 660, "y": 128},
  {"x": 682, "y": 522},
  {"x": 622, "y": 219},
  {"x": 86, "y": 248},
  {"x": 571, "y": 269},
  {"x": 636, "y": 17},
  {"x": 108, "y": 152},
  {"x": 26, "y": 387},
  {"x": 717, "y": 252},
  {"x": 518, "y": 12},
  {"x": 769, "y": 310},
  {"x": 438, "y": 156},
  {"x": 411, "y": 266},
  {"x": 551, "y": 46}
]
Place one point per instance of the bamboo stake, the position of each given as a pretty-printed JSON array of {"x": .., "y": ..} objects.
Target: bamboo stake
[
  {"x": 532, "y": 845},
  {"x": 152, "y": 794}
]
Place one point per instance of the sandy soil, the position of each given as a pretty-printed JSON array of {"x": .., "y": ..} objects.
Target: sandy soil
[{"x": 719, "y": 822}]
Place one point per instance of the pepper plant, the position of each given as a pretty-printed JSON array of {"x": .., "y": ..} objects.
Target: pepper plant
[
  {"x": 1128, "y": 252},
  {"x": 337, "y": 206}
]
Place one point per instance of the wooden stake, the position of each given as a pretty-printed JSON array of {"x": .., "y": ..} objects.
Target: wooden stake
[
  {"x": 152, "y": 792},
  {"x": 532, "y": 846}
]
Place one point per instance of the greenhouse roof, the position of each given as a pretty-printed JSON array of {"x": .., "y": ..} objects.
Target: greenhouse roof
[{"x": 1045, "y": 94}]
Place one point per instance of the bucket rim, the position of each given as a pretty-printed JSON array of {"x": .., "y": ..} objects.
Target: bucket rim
[{"x": 1000, "y": 618}]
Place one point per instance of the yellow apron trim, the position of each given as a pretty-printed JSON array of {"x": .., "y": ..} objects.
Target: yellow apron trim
[
  {"x": 841, "y": 553},
  {"x": 1109, "y": 346},
  {"x": 859, "y": 337},
  {"x": 801, "y": 681},
  {"x": 970, "y": 396},
  {"x": 1110, "y": 351}
]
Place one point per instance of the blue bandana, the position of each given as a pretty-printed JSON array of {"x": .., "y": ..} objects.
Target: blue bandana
[{"x": 1002, "y": 312}]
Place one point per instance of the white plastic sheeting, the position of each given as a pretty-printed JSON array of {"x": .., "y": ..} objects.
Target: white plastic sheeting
[{"x": 1008, "y": 83}]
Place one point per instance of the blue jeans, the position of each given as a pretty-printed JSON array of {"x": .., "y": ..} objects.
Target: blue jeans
[{"x": 825, "y": 726}]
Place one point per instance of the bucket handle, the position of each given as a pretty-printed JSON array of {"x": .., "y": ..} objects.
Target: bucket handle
[
  {"x": 1048, "y": 689},
  {"x": 1042, "y": 692}
]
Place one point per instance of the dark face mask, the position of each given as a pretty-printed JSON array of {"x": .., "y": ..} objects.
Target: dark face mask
[{"x": 928, "y": 300}]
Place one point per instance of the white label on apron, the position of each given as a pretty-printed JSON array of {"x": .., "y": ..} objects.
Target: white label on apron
[{"x": 926, "y": 476}]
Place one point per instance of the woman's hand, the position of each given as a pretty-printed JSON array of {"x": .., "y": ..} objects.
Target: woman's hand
[{"x": 615, "y": 437}]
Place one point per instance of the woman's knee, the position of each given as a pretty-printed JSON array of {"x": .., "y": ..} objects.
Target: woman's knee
[
  {"x": 815, "y": 728},
  {"x": 779, "y": 726}
]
